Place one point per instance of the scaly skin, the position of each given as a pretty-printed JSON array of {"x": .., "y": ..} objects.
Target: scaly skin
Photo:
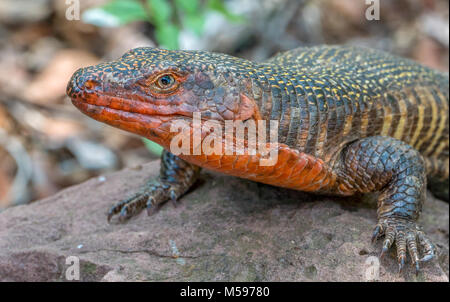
[{"x": 350, "y": 120}]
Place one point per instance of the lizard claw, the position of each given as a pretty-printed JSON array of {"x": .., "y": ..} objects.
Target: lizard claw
[
  {"x": 383, "y": 252},
  {"x": 401, "y": 264},
  {"x": 125, "y": 207},
  {"x": 173, "y": 198},
  {"x": 151, "y": 206},
  {"x": 376, "y": 233},
  {"x": 153, "y": 195},
  {"x": 407, "y": 236},
  {"x": 417, "y": 268}
]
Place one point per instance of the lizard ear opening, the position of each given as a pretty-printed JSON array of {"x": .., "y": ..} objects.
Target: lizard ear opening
[{"x": 247, "y": 109}]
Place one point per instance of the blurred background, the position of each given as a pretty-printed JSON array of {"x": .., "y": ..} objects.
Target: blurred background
[{"x": 46, "y": 144}]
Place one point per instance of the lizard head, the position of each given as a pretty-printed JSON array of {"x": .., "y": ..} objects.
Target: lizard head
[{"x": 147, "y": 88}]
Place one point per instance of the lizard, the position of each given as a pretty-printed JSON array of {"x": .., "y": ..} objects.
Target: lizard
[{"x": 351, "y": 119}]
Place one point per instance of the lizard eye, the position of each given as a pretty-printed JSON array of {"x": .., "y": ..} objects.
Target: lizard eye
[
  {"x": 163, "y": 84},
  {"x": 165, "y": 81}
]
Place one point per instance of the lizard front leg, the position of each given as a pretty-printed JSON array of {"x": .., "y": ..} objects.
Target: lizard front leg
[
  {"x": 175, "y": 178},
  {"x": 397, "y": 171}
]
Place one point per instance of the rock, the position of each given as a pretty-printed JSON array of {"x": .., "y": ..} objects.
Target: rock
[{"x": 225, "y": 229}]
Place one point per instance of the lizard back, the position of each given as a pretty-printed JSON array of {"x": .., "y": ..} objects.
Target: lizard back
[{"x": 328, "y": 96}]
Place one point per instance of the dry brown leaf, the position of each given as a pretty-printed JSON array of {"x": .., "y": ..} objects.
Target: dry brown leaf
[
  {"x": 55, "y": 128},
  {"x": 4, "y": 119},
  {"x": 6, "y": 178},
  {"x": 349, "y": 9},
  {"x": 13, "y": 74},
  {"x": 429, "y": 53},
  {"x": 50, "y": 85}
]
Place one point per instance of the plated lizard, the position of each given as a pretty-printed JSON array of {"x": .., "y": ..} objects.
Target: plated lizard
[{"x": 351, "y": 120}]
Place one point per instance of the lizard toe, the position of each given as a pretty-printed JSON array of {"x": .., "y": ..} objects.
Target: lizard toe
[
  {"x": 150, "y": 198},
  {"x": 408, "y": 238}
]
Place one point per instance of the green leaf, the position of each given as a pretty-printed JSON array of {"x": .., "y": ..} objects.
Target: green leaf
[
  {"x": 125, "y": 10},
  {"x": 193, "y": 17},
  {"x": 190, "y": 7},
  {"x": 99, "y": 17},
  {"x": 194, "y": 23},
  {"x": 167, "y": 35},
  {"x": 161, "y": 11},
  {"x": 218, "y": 6},
  {"x": 153, "y": 147}
]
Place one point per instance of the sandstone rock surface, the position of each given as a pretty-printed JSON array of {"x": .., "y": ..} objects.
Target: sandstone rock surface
[{"x": 226, "y": 229}]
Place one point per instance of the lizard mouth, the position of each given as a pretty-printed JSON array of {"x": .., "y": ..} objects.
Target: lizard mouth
[
  {"x": 121, "y": 118},
  {"x": 153, "y": 127},
  {"x": 126, "y": 106},
  {"x": 127, "y": 109},
  {"x": 101, "y": 106},
  {"x": 94, "y": 97}
]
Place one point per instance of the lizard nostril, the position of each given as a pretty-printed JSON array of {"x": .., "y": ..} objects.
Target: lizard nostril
[
  {"x": 81, "y": 82},
  {"x": 90, "y": 84}
]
